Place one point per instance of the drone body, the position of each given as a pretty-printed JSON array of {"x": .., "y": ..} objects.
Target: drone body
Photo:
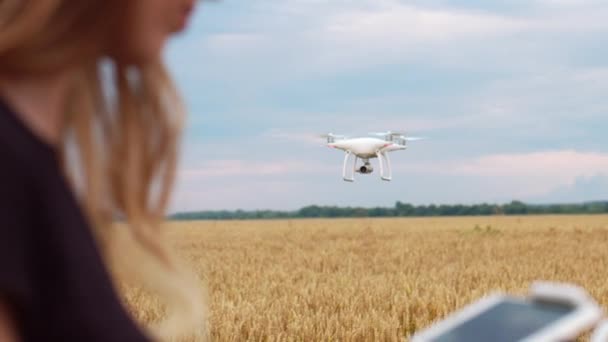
[{"x": 366, "y": 148}]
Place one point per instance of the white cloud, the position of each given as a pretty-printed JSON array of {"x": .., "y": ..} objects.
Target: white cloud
[
  {"x": 290, "y": 40},
  {"x": 546, "y": 175},
  {"x": 236, "y": 193},
  {"x": 399, "y": 23},
  {"x": 291, "y": 136},
  {"x": 544, "y": 97},
  {"x": 560, "y": 166},
  {"x": 530, "y": 86},
  {"x": 584, "y": 189},
  {"x": 569, "y": 3},
  {"x": 241, "y": 168},
  {"x": 230, "y": 43},
  {"x": 523, "y": 175}
]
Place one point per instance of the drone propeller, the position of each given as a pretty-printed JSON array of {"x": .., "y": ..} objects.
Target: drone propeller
[
  {"x": 383, "y": 134},
  {"x": 332, "y": 136},
  {"x": 396, "y": 135}
]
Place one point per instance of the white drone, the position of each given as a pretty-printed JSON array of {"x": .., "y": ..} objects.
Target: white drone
[{"x": 366, "y": 148}]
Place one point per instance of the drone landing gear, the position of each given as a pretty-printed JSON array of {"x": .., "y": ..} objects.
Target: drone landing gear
[
  {"x": 384, "y": 161},
  {"x": 382, "y": 158},
  {"x": 344, "y": 167}
]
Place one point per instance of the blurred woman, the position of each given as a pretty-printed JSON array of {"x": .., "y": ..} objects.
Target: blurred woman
[{"x": 89, "y": 129}]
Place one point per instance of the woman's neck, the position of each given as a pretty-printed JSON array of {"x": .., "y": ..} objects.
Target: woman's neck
[{"x": 40, "y": 102}]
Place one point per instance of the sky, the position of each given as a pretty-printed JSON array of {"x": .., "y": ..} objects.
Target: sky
[{"x": 510, "y": 94}]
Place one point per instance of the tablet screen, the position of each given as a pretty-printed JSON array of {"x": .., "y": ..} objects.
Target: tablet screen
[{"x": 507, "y": 321}]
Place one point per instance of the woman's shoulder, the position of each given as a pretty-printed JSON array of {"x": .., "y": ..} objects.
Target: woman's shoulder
[{"x": 22, "y": 153}]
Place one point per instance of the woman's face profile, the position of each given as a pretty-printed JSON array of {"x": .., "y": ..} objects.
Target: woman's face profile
[{"x": 151, "y": 23}]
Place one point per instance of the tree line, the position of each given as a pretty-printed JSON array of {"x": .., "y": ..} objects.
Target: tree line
[{"x": 401, "y": 210}]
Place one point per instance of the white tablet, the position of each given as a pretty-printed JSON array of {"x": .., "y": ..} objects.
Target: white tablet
[
  {"x": 551, "y": 312},
  {"x": 600, "y": 334}
]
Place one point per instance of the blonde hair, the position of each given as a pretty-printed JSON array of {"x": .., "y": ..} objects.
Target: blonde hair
[{"x": 122, "y": 128}]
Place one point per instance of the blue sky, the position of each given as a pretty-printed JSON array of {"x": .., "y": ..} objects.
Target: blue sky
[{"x": 511, "y": 94}]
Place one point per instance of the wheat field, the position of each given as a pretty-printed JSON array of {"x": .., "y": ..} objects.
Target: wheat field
[{"x": 375, "y": 279}]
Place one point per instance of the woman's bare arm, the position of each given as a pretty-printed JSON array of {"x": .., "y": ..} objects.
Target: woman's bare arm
[{"x": 8, "y": 332}]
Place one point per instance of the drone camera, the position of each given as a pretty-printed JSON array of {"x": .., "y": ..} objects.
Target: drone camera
[{"x": 366, "y": 169}]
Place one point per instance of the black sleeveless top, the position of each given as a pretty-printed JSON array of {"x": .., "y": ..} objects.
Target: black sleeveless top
[{"x": 51, "y": 272}]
